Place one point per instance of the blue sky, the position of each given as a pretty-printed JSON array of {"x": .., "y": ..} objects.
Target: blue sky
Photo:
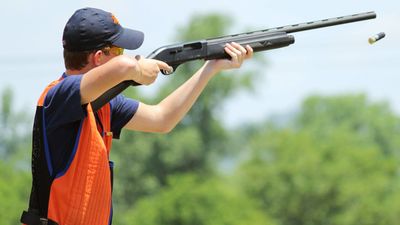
[{"x": 327, "y": 61}]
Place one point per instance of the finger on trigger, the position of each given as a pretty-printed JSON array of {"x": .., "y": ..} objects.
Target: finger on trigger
[{"x": 164, "y": 66}]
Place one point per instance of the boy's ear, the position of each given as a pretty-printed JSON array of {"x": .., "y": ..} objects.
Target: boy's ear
[{"x": 97, "y": 57}]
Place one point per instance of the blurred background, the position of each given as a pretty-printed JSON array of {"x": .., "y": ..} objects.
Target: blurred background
[{"x": 307, "y": 134}]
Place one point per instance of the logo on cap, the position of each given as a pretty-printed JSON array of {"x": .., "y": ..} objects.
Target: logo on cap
[{"x": 114, "y": 19}]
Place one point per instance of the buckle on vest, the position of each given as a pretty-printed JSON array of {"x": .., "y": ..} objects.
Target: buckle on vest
[{"x": 44, "y": 221}]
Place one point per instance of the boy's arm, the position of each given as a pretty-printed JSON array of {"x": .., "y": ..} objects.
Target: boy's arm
[
  {"x": 164, "y": 116},
  {"x": 101, "y": 78}
]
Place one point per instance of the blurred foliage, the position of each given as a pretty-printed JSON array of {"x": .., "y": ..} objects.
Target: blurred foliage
[
  {"x": 15, "y": 130},
  {"x": 330, "y": 168},
  {"x": 374, "y": 123},
  {"x": 14, "y": 193},
  {"x": 194, "y": 200},
  {"x": 335, "y": 161},
  {"x": 14, "y": 163}
]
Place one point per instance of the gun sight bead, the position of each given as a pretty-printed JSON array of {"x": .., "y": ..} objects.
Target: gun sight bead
[{"x": 376, "y": 38}]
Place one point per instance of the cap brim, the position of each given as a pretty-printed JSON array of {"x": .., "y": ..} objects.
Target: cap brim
[{"x": 129, "y": 39}]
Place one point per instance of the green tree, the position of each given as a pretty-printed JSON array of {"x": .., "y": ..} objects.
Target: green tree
[
  {"x": 14, "y": 163},
  {"x": 374, "y": 122},
  {"x": 14, "y": 193},
  {"x": 14, "y": 130},
  {"x": 194, "y": 200},
  {"x": 329, "y": 168},
  {"x": 146, "y": 160}
]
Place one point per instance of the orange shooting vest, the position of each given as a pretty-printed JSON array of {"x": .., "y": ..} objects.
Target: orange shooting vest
[{"x": 81, "y": 193}]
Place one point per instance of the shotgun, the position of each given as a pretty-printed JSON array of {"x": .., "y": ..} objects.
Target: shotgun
[{"x": 213, "y": 48}]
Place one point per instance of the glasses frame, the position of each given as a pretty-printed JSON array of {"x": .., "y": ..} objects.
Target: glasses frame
[{"x": 113, "y": 50}]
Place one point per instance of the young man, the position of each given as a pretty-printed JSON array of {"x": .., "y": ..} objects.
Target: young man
[{"x": 72, "y": 175}]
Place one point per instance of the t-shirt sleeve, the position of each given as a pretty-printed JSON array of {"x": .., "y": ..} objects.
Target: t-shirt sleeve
[
  {"x": 62, "y": 104},
  {"x": 122, "y": 110}
]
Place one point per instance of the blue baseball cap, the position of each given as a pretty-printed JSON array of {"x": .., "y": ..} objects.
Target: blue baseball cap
[{"x": 91, "y": 29}]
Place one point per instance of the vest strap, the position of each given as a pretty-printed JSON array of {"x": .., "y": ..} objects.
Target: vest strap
[{"x": 30, "y": 218}]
